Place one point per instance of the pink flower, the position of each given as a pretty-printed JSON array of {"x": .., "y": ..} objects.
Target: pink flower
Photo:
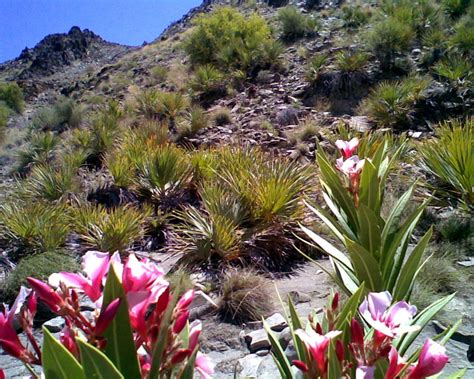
[
  {"x": 204, "y": 366},
  {"x": 50, "y": 297},
  {"x": 317, "y": 345},
  {"x": 194, "y": 331},
  {"x": 389, "y": 321},
  {"x": 395, "y": 365},
  {"x": 351, "y": 167},
  {"x": 2, "y": 374},
  {"x": 348, "y": 148},
  {"x": 300, "y": 365},
  {"x": 185, "y": 300},
  {"x": 95, "y": 265},
  {"x": 432, "y": 360},
  {"x": 180, "y": 322},
  {"x": 365, "y": 372},
  {"x": 68, "y": 340},
  {"x": 140, "y": 275},
  {"x": 9, "y": 340}
]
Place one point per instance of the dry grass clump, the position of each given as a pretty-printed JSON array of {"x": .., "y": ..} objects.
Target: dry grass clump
[
  {"x": 222, "y": 116},
  {"x": 245, "y": 296}
]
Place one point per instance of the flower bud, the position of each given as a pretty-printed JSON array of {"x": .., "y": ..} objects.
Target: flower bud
[
  {"x": 50, "y": 297},
  {"x": 106, "y": 317},
  {"x": 340, "y": 350},
  {"x": 301, "y": 365},
  {"x": 335, "y": 301},
  {"x": 180, "y": 322},
  {"x": 357, "y": 333},
  {"x": 185, "y": 300},
  {"x": 180, "y": 356}
]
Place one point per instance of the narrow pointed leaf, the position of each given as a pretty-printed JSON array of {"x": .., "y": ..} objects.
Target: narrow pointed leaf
[
  {"x": 96, "y": 364},
  {"x": 365, "y": 266},
  {"x": 120, "y": 347},
  {"x": 58, "y": 362},
  {"x": 284, "y": 365}
]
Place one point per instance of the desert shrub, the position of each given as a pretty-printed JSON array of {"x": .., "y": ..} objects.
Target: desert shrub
[
  {"x": 349, "y": 65},
  {"x": 121, "y": 168},
  {"x": 272, "y": 51},
  {"x": 164, "y": 172},
  {"x": 195, "y": 120},
  {"x": 40, "y": 266},
  {"x": 41, "y": 148},
  {"x": 148, "y": 103},
  {"x": 222, "y": 116},
  {"x": 315, "y": 66},
  {"x": 455, "y": 8},
  {"x": 393, "y": 104},
  {"x": 455, "y": 229},
  {"x": 458, "y": 74},
  {"x": 294, "y": 24},
  {"x": 34, "y": 226},
  {"x": 173, "y": 104},
  {"x": 63, "y": 115},
  {"x": 109, "y": 230},
  {"x": 12, "y": 95},
  {"x": 462, "y": 40},
  {"x": 226, "y": 38},
  {"x": 355, "y": 15},
  {"x": 245, "y": 296},
  {"x": 207, "y": 82},
  {"x": 450, "y": 160},
  {"x": 4, "y": 114},
  {"x": 50, "y": 183},
  {"x": 159, "y": 74},
  {"x": 388, "y": 38},
  {"x": 305, "y": 132},
  {"x": 348, "y": 61}
]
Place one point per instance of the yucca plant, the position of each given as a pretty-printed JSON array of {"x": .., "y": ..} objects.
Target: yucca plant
[
  {"x": 449, "y": 158},
  {"x": 207, "y": 241},
  {"x": 121, "y": 168},
  {"x": 349, "y": 65},
  {"x": 393, "y": 104},
  {"x": 195, "y": 120},
  {"x": 164, "y": 172},
  {"x": 148, "y": 104},
  {"x": 388, "y": 38},
  {"x": 173, "y": 104},
  {"x": 109, "y": 230},
  {"x": 462, "y": 40},
  {"x": 34, "y": 226},
  {"x": 455, "y": 8},
  {"x": 356, "y": 15},
  {"x": 50, "y": 183},
  {"x": 315, "y": 66},
  {"x": 208, "y": 81},
  {"x": 40, "y": 149},
  {"x": 294, "y": 24}
]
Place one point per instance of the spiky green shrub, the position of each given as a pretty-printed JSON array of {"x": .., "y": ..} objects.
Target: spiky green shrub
[
  {"x": 245, "y": 296},
  {"x": 450, "y": 160},
  {"x": 164, "y": 172},
  {"x": 315, "y": 66},
  {"x": 4, "y": 114},
  {"x": 40, "y": 266},
  {"x": 455, "y": 8},
  {"x": 41, "y": 148},
  {"x": 50, "y": 183},
  {"x": 393, "y": 104},
  {"x": 159, "y": 74},
  {"x": 173, "y": 104},
  {"x": 226, "y": 38},
  {"x": 463, "y": 39},
  {"x": 222, "y": 116},
  {"x": 34, "y": 226},
  {"x": 388, "y": 38},
  {"x": 355, "y": 15},
  {"x": 349, "y": 61},
  {"x": 12, "y": 95},
  {"x": 148, "y": 103},
  {"x": 208, "y": 81},
  {"x": 64, "y": 114},
  {"x": 195, "y": 120},
  {"x": 294, "y": 24},
  {"x": 109, "y": 229}
]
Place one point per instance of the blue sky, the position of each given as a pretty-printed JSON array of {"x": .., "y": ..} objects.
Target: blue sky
[{"x": 130, "y": 22}]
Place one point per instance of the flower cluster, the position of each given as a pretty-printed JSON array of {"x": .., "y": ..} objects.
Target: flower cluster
[
  {"x": 350, "y": 164},
  {"x": 148, "y": 296},
  {"x": 388, "y": 321}
]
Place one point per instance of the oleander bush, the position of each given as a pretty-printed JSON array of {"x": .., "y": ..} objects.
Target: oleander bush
[{"x": 12, "y": 95}]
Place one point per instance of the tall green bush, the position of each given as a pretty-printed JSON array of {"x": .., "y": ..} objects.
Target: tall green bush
[{"x": 12, "y": 95}]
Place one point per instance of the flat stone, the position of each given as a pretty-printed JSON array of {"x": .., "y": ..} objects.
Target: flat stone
[
  {"x": 468, "y": 263},
  {"x": 257, "y": 340},
  {"x": 276, "y": 322},
  {"x": 268, "y": 369},
  {"x": 249, "y": 365},
  {"x": 55, "y": 325},
  {"x": 285, "y": 337}
]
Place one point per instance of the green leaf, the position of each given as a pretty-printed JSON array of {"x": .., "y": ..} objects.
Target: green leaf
[
  {"x": 365, "y": 266},
  {"x": 328, "y": 220},
  {"x": 334, "y": 367},
  {"x": 96, "y": 364},
  {"x": 284, "y": 365},
  {"x": 120, "y": 347},
  {"x": 369, "y": 235},
  {"x": 422, "y": 319},
  {"x": 58, "y": 362},
  {"x": 407, "y": 274},
  {"x": 369, "y": 188},
  {"x": 349, "y": 309}
]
